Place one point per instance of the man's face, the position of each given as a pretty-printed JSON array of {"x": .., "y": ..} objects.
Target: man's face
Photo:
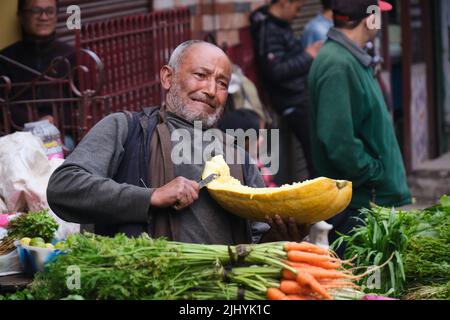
[
  {"x": 198, "y": 90},
  {"x": 39, "y": 18},
  {"x": 291, "y": 9}
]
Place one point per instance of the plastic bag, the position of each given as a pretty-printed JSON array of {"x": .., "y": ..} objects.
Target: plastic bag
[
  {"x": 319, "y": 234},
  {"x": 3, "y": 208},
  {"x": 24, "y": 174},
  {"x": 10, "y": 264},
  {"x": 50, "y": 137}
]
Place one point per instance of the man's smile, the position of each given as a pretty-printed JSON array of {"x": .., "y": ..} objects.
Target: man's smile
[{"x": 210, "y": 105}]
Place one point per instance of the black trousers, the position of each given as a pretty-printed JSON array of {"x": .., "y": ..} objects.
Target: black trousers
[
  {"x": 299, "y": 122},
  {"x": 343, "y": 223}
]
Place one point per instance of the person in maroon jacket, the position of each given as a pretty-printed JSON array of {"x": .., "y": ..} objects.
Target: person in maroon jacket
[{"x": 38, "y": 47}]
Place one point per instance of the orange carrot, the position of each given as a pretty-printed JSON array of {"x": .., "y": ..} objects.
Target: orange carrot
[
  {"x": 311, "y": 258},
  {"x": 329, "y": 265},
  {"x": 335, "y": 284},
  {"x": 331, "y": 282},
  {"x": 305, "y": 279},
  {"x": 316, "y": 272},
  {"x": 289, "y": 275},
  {"x": 275, "y": 294},
  {"x": 307, "y": 247},
  {"x": 292, "y": 287},
  {"x": 323, "y": 265}
]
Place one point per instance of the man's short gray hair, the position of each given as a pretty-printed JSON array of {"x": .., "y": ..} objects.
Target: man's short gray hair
[{"x": 177, "y": 55}]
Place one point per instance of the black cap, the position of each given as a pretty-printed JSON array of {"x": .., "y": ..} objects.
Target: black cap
[{"x": 351, "y": 10}]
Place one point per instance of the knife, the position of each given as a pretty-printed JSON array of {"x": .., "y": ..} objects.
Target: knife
[{"x": 207, "y": 180}]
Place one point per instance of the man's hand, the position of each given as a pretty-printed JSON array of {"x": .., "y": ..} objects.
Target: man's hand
[
  {"x": 179, "y": 194},
  {"x": 285, "y": 230},
  {"x": 313, "y": 50}
]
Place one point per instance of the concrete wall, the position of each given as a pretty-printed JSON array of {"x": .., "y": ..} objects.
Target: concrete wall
[
  {"x": 9, "y": 24},
  {"x": 222, "y": 18}
]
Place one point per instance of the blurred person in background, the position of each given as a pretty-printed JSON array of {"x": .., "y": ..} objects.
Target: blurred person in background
[
  {"x": 284, "y": 66},
  {"x": 38, "y": 47},
  {"x": 317, "y": 29},
  {"x": 352, "y": 132},
  {"x": 246, "y": 119}
]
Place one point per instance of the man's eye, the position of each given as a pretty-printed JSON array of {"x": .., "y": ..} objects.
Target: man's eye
[
  {"x": 200, "y": 75},
  {"x": 223, "y": 84}
]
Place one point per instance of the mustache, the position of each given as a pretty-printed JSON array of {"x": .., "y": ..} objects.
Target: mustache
[{"x": 205, "y": 99}]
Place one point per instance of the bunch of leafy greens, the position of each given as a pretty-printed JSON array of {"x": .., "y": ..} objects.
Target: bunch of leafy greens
[
  {"x": 95, "y": 267},
  {"x": 411, "y": 247},
  {"x": 380, "y": 241},
  {"x": 33, "y": 224},
  {"x": 427, "y": 258}
]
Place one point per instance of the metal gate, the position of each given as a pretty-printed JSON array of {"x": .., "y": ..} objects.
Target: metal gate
[
  {"x": 132, "y": 49},
  {"x": 117, "y": 68}
]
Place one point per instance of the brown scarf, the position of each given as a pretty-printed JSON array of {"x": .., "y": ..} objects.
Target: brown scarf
[{"x": 164, "y": 222}]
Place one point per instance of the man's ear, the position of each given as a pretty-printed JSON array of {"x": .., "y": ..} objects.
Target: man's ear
[{"x": 166, "y": 75}]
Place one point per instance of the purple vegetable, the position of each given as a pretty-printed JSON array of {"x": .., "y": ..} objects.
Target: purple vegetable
[{"x": 377, "y": 298}]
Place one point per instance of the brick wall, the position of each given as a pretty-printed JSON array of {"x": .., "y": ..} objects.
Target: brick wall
[{"x": 222, "y": 18}]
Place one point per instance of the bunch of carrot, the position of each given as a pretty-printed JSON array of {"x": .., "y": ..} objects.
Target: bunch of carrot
[{"x": 319, "y": 272}]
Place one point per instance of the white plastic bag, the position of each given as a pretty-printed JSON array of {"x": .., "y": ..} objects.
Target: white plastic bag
[
  {"x": 10, "y": 264},
  {"x": 3, "y": 208},
  {"x": 24, "y": 174},
  {"x": 319, "y": 234}
]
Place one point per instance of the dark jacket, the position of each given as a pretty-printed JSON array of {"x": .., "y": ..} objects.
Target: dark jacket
[
  {"x": 103, "y": 182},
  {"x": 283, "y": 63},
  {"x": 37, "y": 56}
]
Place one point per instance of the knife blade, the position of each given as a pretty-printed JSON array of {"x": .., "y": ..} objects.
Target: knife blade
[{"x": 203, "y": 183}]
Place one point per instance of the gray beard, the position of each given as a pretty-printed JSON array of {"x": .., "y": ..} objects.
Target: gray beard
[{"x": 177, "y": 106}]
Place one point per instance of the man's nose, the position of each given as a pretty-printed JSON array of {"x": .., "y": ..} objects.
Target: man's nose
[
  {"x": 44, "y": 16},
  {"x": 210, "y": 88}
]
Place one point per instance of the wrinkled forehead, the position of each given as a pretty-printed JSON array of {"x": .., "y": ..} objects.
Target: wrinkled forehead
[{"x": 207, "y": 56}]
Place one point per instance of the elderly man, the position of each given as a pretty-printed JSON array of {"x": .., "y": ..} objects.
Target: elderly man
[
  {"x": 104, "y": 181},
  {"x": 36, "y": 50}
]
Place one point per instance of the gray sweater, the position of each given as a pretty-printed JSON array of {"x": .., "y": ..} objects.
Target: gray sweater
[{"x": 82, "y": 189}]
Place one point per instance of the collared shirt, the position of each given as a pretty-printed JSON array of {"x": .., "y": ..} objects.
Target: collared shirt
[
  {"x": 362, "y": 56},
  {"x": 316, "y": 30}
]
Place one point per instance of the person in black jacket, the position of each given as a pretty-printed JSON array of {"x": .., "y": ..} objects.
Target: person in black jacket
[
  {"x": 284, "y": 65},
  {"x": 38, "y": 47}
]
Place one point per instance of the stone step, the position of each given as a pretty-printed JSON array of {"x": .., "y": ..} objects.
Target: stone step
[{"x": 431, "y": 180}]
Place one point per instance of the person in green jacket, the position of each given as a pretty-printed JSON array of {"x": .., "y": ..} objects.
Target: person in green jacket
[{"x": 352, "y": 132}]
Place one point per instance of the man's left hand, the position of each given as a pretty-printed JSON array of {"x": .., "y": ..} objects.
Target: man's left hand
[{"x": 285, "y": 230}]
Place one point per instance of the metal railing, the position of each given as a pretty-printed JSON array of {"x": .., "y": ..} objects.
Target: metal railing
[
  {"x": 116, "y": 68},
  {"x": 56, "y": 89},
  {"x": 133, "y": 49}
]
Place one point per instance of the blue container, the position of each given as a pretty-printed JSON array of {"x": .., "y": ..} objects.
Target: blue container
[{"x": 34, "y": 259}]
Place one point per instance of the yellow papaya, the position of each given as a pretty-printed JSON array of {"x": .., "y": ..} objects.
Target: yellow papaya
[{"x": 308, "y": 202}]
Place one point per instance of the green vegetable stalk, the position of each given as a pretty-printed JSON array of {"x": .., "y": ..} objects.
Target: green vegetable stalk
[
  {"x": 412, "y": 246},
  {"x": 145, "y": 268},
  {"x": 34, "y": 224}
]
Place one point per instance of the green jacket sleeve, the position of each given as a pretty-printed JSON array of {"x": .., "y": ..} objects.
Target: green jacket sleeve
[{"x": 337, "y": 104}]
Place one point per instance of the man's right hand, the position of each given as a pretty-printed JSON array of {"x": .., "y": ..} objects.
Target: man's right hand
[
  {"x": 313, "y": 50},
  {"x": 180, "y": 193}
]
